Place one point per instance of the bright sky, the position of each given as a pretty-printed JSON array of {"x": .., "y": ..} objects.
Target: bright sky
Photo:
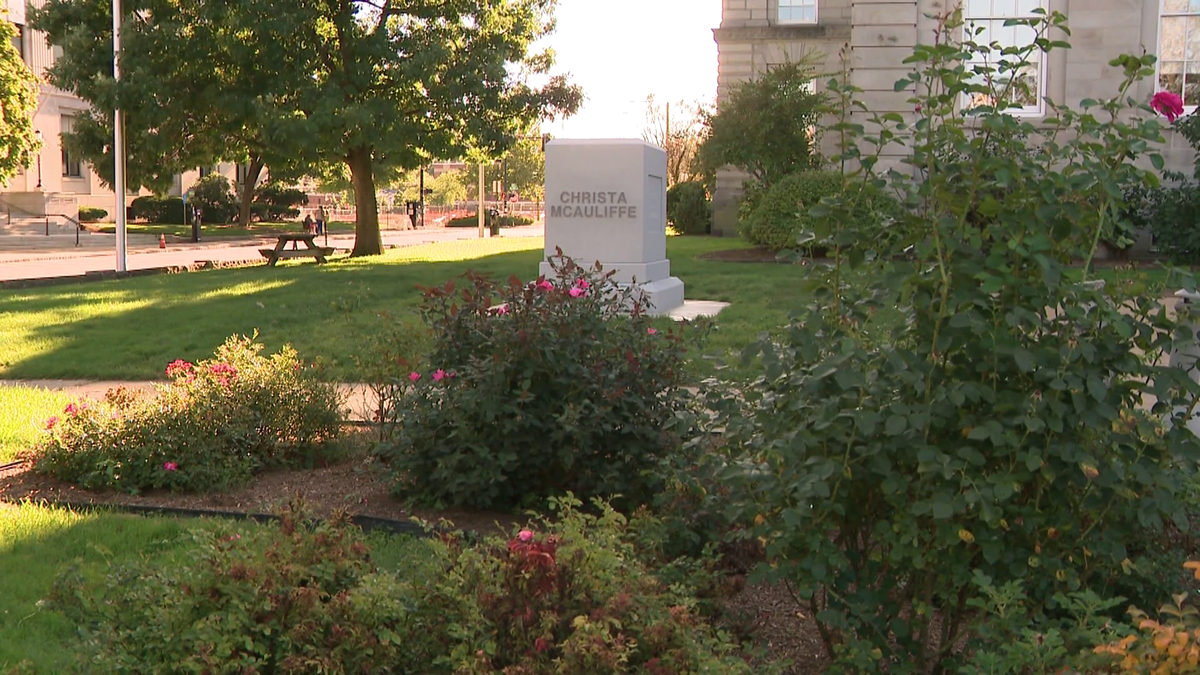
[{"x": 620, "y": 51}]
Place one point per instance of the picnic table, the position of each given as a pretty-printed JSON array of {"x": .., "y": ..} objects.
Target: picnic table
[{"x": 310, "y": 250}]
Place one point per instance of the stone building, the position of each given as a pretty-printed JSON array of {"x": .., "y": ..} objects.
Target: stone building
[{"x": 877, "y": 35}]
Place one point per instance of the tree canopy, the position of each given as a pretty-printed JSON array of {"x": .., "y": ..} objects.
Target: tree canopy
[
  {"x": 18, "y": 102},
  {"x": 190, "y": 92},
  {"x": 334, "y": 86},
  {"x": 522, "y": 167}
]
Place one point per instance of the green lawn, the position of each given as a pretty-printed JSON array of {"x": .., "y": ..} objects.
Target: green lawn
[
  {"x": 25, "y": 411},
  {"x": 39, "y": 543},
  {"x": 130, "y": 329},
  {"x": 209, "y": 230}
]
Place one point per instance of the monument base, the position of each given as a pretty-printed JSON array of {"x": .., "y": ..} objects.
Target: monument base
[{"x": 664, "y": 295}]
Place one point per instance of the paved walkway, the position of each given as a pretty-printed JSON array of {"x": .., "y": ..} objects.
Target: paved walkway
[
  {"x": 37, "y": 257},
  {"x": 359, "y": 401}
]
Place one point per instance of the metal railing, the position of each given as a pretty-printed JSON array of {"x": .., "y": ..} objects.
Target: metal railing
[{"x": 9, "y": 207}]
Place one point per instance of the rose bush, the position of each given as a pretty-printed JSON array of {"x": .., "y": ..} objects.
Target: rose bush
[
  {"x": 1017, "y": 425},
  {"x": 211, "y": 428},
  {"x": 534, "y": 389}
]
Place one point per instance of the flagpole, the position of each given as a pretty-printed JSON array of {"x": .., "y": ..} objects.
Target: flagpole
[{"x": 119, "y": 143}]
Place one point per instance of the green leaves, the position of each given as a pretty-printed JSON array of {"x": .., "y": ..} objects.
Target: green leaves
[{"x": 952, "y": 445}]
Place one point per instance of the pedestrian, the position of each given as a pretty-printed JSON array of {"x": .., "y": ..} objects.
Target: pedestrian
[
  {"x": 309, "y": 225},
  {"x": 320, "y": 220}
]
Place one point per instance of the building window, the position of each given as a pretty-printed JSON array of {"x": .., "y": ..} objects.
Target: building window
[
  {"x": 1179, "y": 50},
  {"x": 797, "y": 11},
  {"x": 18, "y": 40},
  {"x": 71, "y": 166},
  {"x": 986, "y": 21}
]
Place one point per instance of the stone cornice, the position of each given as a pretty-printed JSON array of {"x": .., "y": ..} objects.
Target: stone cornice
[{"x": 761, "y": 33}]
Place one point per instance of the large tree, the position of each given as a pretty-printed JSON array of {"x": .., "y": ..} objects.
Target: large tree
[
  {"x": 351, "y": 87},
  {"x": 18, "y": 102},
  {"x": 392, "y": 85},
  {"x": 190, "y": 92}
]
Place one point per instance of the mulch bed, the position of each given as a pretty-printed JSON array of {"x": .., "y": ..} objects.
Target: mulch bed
[{"x": 358, "y": 486}]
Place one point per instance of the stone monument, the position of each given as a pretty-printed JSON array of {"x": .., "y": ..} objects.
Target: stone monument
[{"x": 606, "y": 201}]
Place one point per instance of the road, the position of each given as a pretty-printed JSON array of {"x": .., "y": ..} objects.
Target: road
[{"x": 26, "y": 257}]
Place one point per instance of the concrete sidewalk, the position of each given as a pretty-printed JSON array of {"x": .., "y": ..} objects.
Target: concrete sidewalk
[
  {"x": 359, "y": 402},
  {"x": 55, "y": 257}
]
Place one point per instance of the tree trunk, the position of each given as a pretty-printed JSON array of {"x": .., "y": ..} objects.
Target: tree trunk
[
  {"x": 248, "y": 188},
  {"x": 367, "y": 240}
]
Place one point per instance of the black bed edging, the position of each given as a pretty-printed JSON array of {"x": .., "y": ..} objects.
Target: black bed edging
[{"x": 366, "y": 523}]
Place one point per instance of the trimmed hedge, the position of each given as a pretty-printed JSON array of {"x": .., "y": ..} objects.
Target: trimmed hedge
[
  {"x": 688, "y": 208},
  {"x": 782, "y": 213},
  {"x": 91, "y": 214},
  {"x": 157, "y": 209},
  {"x": 505, "y": 221}
]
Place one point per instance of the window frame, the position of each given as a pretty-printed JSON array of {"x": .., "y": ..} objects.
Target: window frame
[
  {"x": 18, "y": 40},
  {"x": 972, "y": 22},
  {"x": 1163, "y": 13},
  {"x": 779, "y": 7},
  {"x": 72, "y": 167}
]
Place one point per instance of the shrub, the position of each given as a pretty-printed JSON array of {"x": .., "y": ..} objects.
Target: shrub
[
  {"x": 288, "y": 599},
  {"x": 688, "y": 208},
  {"x": 783, "y": 214},
  {"x": 157, "y": 209},
  {"x": 1006, "y": 640},
  {"x": 215, "y": 199},
  {"x": 302, "y": 598},
  {"x": 1170, "y": 644},
  {"x": 505, "y": 221},
  {"x": 767, "y": 126},
  {"x": 1004, "y": 429},
  {"x": 1173, "y": 214},
  {"x": 276, "y": 201},
  {"x": 217, "y": 423},
  {"x": 90, "y": 214},
  {"x": 536, "y": 389}
]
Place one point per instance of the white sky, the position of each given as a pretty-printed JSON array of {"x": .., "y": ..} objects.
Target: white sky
[{"x": 620, "y": 51}]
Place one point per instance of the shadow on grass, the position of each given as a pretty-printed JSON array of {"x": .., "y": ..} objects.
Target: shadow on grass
[{"x": 132, "y": 328}]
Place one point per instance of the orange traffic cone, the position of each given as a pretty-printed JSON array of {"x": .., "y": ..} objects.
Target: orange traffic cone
[{"x": 162, "y": 241}]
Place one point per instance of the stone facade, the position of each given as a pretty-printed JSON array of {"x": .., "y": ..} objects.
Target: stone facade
[{"x": 879, "y": 34}]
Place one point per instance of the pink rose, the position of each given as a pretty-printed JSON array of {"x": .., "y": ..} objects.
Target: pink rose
[
  {"x": 170, "y": 466},
  {"x": 583, "y": 283},
  {"x": 525, "y": 536},
  {"x": 502, "y": 310},
  {"x": 438, "y": 375},
  {"x": 544, "y": 285},
  {"x": 652, "y": 331},
  {"x": 71, "y": 409},
  {"x": 414, "y": 376},
  {"x": 51, "y": 422},
  {"x": 576, "y": 292},
  {"x": 1168, "y": 104},
  {"x": 178, "y": 367}
]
